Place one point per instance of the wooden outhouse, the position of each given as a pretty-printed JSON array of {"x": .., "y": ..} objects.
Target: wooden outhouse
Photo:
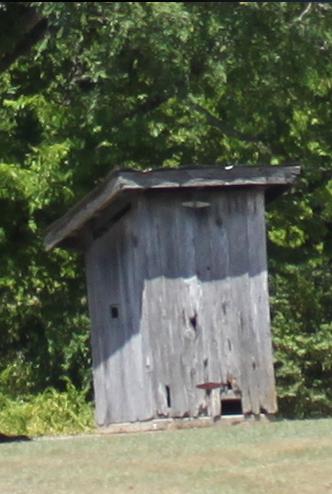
[{"x": 177, "y": 287}]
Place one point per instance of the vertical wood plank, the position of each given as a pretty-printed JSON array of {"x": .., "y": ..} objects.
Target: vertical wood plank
[
  {"x": 259, "y": 301},
  {"x": 99, "y": 373}
]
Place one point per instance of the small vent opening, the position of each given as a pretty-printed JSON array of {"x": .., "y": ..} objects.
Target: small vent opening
[
  {"x": 114, "y": 312},
  {"x": 231, "y": 407},
  {"x": 168, "y": 396}
]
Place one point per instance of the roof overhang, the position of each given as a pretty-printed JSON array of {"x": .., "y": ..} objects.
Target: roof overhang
[{"x": 272, "y": 178}]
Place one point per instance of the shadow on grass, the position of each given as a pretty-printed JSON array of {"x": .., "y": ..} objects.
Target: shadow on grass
[{"x": 4, "y": 438}]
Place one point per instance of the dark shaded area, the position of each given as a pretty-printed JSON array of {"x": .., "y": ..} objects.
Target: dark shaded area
[
  {"x": 21, "y": 28},
  {"x": 4, "y": 438},
  {"x": 231, "y": 407},
  {"x": 168, "y": 396}
]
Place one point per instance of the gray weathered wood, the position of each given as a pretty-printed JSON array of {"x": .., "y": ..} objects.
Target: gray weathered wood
[
  {"x": 190, "y": 286},
  {"x": 127, "y": 181}
]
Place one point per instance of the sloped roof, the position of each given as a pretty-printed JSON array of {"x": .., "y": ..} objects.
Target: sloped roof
[{"x": 273, "y": 178}]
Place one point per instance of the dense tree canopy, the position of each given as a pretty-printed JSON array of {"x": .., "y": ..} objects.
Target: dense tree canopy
[{"x": 128, "y": 84}]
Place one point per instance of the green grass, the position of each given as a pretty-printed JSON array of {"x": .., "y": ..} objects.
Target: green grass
[{"x": 287, "y": 457}]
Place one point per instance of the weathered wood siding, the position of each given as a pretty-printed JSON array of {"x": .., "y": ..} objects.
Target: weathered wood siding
[
  {"x": 187, "y": 273},
  {"x": 115, "y": 281}
]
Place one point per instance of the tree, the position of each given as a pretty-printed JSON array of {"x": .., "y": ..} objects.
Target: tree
[
  {"x": 21, "y": 28},
  {"x": 166, "y": 84}
]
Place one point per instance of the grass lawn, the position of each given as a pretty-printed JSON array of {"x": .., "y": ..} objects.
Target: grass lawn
[{"x": 289, "y": 457}]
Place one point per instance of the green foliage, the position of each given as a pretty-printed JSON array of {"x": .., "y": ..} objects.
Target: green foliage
[
  {"x": 18, "y": 377},
  {"x": 303, "y": 339},
  {"x": 50, "y": 412},
  {"x": 164, "y": 85}
]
